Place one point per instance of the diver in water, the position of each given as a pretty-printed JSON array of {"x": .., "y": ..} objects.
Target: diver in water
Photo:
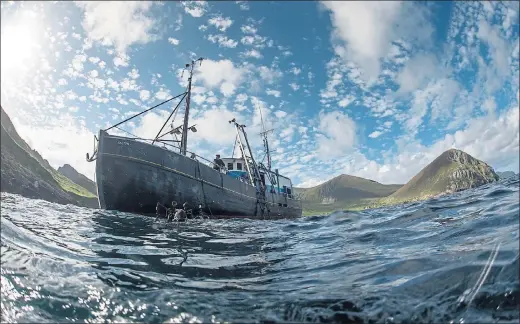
[
  {"x": 187, "y": 210},
  {"x": 178, "y": 215}
]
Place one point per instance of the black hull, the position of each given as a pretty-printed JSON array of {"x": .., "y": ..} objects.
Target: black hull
[{"x": 133, "y": 176}]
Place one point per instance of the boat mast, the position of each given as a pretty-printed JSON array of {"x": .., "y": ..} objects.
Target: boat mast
[
  {"x": 184, "y": 138},
  {"x": 266, "y": 142},
  {"x": 251, "y": 166}
]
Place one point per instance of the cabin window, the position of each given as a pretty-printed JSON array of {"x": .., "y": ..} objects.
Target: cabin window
[
  {"x": 239, "y": 166},
  {"x": 230, "y": 166}
]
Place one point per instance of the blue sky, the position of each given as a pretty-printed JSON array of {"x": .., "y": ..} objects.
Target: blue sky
[{"x": 372, "y": 89}]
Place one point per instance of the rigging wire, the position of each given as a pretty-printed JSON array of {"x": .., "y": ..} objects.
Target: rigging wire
[
  {"x": 126, "y": 132},
  {"x": 236, "y": 139},
  {"x": 142, "y": 112}
]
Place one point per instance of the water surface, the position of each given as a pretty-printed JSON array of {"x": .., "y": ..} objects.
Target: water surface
[{"x": 454, "y": 258}]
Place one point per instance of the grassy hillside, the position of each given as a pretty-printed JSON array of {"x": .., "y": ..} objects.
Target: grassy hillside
[
  {"x": 452, "y": 171},
  {"x": 343, "y": 192},
  {"x": 70, "y": 173},
  {"x": 25, "y": 172}
]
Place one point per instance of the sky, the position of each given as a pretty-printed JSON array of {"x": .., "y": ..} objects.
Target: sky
[{"x": 372, "y": 89}]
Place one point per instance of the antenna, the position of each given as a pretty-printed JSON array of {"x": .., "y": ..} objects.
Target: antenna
[{"x": 184, "y": 138}]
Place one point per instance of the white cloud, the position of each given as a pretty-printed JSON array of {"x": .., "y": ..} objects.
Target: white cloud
[
  {"x": 253, "y": 53},
  {"x": 274, "y": 93},
  {"x": 150, "y": 123},
  {"x": 128, "y": 85},
  {"x": 220, "y": 23},
  {"x": 196, "y": 9},
  {"x": 121, "y": 60},
  {"x": 94, "y": 60},
  {"x": 269, "y": 75},
  {"x": 346, "y": 101},
  {"x": 214, "y": 73},
  {"x": 227, "y": 89},
  {"x": 375, "y": 134},
  {"x": 248, "y": 29},
  {"x": 223, "y": 41},
  {"x": 162, "y": 95},
  {"x": 280, "y": 114},
  {"x": 296, "y": 70},
  {"x": 295, "y": 87},
  {"x": 211, "y": 100},
  {"x": 77, "y": 62},
  {"x": 178, "y": 22},
  {"x": 363, "y": 31},
  {"x": 444, "y": 92},
  {"x": 144, "y": 95},
  {"x": 134, "y": 74},
  {"x": 173, "y": 41},
  {"x": 499, "y": 49},
  {"x": 118, "y": 24},
  {"x": 287, "y": 133},
  {"x": 243, "y": 5},
  {"x": 489, "y": 106},
  {"x": 256, "y": 41},
  {"x": 337, "y": 134},
  {"x": 199, "y": 99},
  {"x": 213, "y": 126},
  {"x": 242, "y": 97},
  {"x": 417, "y": 72}
]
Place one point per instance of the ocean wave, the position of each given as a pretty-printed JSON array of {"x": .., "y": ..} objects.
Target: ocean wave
[{"x": 453, "y": 258}]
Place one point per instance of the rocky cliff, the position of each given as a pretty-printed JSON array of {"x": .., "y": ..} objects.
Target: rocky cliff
[{"x": 25, "y": 172}]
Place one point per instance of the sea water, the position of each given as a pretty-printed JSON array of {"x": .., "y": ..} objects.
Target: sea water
[{"x": 453, "y": 259}]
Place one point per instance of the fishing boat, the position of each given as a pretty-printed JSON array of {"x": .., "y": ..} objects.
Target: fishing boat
[{"x": 137, "y": 175}]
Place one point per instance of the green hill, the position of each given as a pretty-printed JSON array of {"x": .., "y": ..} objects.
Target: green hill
[
  {"x": 452, "y": 171},
  {"x": 341, "y": 192},
  {"x": 25, "y": 172},
  {"x": 78, "y": 178}
]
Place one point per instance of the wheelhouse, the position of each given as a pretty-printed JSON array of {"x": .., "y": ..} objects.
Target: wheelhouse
[{"x": 273, "y": 181}]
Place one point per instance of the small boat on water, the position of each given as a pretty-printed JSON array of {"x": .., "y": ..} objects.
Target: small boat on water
[{"x": 137, "y": 175}]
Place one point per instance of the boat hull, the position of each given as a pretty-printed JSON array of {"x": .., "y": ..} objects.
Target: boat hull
[{"x": 133, "y": 176}]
